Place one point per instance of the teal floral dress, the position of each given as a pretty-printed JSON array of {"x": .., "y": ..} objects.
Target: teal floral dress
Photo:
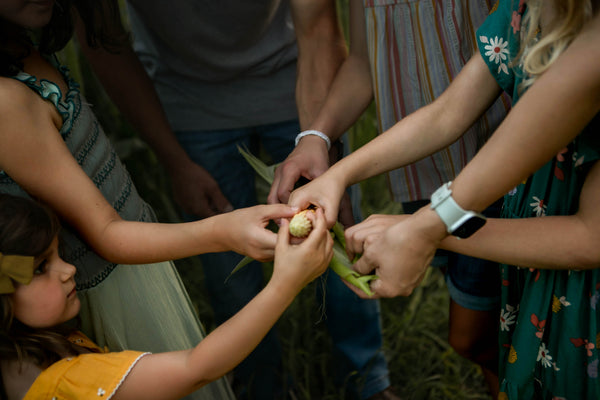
[{"x": 549, "y": 323}]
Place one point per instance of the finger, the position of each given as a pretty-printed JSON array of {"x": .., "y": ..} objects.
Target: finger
[
  {"x": 272, "y": 197},
  {"x": 381, "y": 289},
  {"x": 319, "y": 230},
  {"x": 363, "y": 266},
  {"x": 286, "y": 184},
  {"x": 278, "y": 211},
  {"x": 359, "y": 292},
  {"x": 283, "y": 236},
  {"x": 354, "y": 246}
]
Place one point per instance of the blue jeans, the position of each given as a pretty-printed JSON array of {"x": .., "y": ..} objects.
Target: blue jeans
[{"x": 354, "y": 324}]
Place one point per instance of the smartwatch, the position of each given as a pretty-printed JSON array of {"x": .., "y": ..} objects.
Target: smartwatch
[{"x": 460, "y": 223}]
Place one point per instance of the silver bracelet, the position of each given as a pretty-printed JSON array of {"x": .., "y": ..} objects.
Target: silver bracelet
[{"x": 315, "y": 133}]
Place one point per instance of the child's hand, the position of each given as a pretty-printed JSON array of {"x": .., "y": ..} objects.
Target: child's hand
[
  {"x": 245, "y": 230},
  {"x": 299, "y": 264}
]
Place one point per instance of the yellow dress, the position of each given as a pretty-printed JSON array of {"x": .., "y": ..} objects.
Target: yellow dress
[{"x": 95, "y": 375}]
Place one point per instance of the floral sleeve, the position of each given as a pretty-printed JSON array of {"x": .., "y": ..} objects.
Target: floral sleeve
[{"x": 498, "y": 39}]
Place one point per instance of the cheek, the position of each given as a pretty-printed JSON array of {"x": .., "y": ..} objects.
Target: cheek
[{"x": 38, "y": 311}]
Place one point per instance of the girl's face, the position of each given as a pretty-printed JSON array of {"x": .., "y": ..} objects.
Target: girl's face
[
  {"x": 50, "y": 298},
  {"x": 30, "y": 14}
]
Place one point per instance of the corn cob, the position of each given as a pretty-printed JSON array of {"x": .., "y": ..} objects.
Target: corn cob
[
  {"x": 300, "y": 226},
  {"x": 340, "y": 263}
]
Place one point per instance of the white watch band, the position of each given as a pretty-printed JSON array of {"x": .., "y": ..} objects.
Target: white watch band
[
  {"x": 315, "y": 133},
  {"x": 448, "y": 210}
]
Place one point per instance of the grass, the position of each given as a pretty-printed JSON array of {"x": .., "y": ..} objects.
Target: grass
[{"x": 421, "y": 363}]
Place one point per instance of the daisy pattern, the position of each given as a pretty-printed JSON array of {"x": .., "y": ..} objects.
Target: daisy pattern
[
  {"x": 544, "y": 357},
  {"x": 538, "y": 206},
  {"x": 507, "y": 318},
  {"x": 496, "y": 50}
]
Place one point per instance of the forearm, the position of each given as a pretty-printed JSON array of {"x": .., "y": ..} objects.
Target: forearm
[
  {"x": 553, "y": 242},
  {"x": 550, "y": 114},
  {"x": 566, "y": 243},
  {"x": 350, "y": 94},
  {"x": 130, "y": 242},
  {"x": 225, "y": 347},
  {"x": 427, "y": 130},
  {"x": 352, "y": 90},
  {"x": 321, "y": 51}
]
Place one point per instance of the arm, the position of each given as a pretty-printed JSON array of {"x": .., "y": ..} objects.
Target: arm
[
  {"x": 172, "y": 375},
  {"x": 416, "y": 136},
  {"x": 539, "y": 121},
  {"x": 321, "y": 50},
  {"x": 33, "y": 153},
  {"x": 128, "y": 85},
  {"x": 568, "y": 242},
  {"x": 349, "y": 95}
]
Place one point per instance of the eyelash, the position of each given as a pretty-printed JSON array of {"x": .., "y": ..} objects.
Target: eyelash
[{"x": 41, "y": 268}]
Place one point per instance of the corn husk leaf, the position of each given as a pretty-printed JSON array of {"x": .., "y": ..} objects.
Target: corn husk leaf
[{"x": 340, "y": 264}]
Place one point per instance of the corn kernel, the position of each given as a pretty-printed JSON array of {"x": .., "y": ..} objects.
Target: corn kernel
[{"x": 300, "y": 225}]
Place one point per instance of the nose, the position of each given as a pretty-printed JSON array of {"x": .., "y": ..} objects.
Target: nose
[{"x": 67, "y": 270}]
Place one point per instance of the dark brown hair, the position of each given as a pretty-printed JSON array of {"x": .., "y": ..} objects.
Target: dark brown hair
[
  {"x": 27, "y": 228},
  {"x": 103, "y": 28}
]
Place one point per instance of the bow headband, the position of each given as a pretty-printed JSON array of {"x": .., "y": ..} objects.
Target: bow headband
[{"x": 15, "y": 268}]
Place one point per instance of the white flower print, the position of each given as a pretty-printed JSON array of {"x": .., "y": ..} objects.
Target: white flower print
[
  {"x": 563, "y": 301},
  {"x": 507, "y": 318},
  {"x": 496, "y": 50},
  {"x": 538, "y": 206},
  {"x": 577, "y": 161},
  {"x": 544, "y": 357}
]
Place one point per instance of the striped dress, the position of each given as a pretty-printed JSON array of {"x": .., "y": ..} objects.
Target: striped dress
[{"x": 416, "y": 48}]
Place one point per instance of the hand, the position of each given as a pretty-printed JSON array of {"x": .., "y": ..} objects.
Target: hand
[
  {"x": 374, "y": 225},
  {"x": 324, "y": 192},
  {"x": 197, "y": 193},
  {"x": 309, "y": 159},
  {"x": 400, "y": 254},
  {"x": 299, "y": 264},
  {"x": 244, "y": 230}
]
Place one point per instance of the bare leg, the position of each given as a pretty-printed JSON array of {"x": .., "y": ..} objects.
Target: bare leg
[{"x": 474, "y": 335}]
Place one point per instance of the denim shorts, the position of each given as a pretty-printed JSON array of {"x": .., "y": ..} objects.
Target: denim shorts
[{"x": 473, "y": 283}]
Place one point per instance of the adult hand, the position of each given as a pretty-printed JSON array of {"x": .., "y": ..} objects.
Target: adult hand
[
  {"x": 245, "y": 230},
  {"x": 309, "y": 160},
  {"x": 324, "y": 192},
  {"x": 400, "y": 254},
  {"x": 374, "y": 225},
  {"x": 197, "y": 192}
]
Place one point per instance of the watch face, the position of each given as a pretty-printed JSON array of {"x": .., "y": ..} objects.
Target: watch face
[{"x": 469, "y": 227}]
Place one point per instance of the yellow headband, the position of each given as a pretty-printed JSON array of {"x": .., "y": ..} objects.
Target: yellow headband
[{"x": 15, "y": 268}]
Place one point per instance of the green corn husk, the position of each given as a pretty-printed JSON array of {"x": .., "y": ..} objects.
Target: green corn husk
[{"x": 340, "y": 264}]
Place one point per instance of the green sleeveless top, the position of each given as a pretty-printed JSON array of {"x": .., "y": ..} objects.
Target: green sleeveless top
[{"x": 91, "y": 148}]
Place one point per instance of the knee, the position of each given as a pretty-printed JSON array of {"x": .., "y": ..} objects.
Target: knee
[
  {"x": 463, "y": 345},
  {"x": 480, "y": 350}
]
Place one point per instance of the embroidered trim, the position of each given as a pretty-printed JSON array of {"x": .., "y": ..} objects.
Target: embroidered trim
[{"x": 126, "y": 374}]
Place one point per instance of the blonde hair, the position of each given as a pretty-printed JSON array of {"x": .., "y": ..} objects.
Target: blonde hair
[{"x": 537, "y": 55}]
